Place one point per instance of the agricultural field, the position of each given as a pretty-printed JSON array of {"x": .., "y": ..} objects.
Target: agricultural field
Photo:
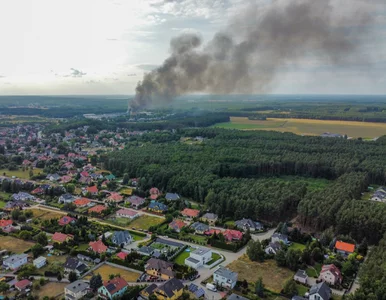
[
  {"x": 19, "y": 173},
  {"x": 50, "y": 289},
  {"x": 106, "y": 270},
  {"x": 273, "y": 276},
  {"x": 145, "y": 221},
  {"x": 366, "y": 130},
  {"x": 15, "y": 245}
]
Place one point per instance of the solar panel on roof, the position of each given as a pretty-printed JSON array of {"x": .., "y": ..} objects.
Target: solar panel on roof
[
  {"x": 199, "y": 293},
  {"x": 110, "y": 287}
]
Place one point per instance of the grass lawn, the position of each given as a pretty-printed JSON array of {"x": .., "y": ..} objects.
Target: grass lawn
[
  {"x": 2, "y": 204},
  {"x": 145, "y": 221},
  {"x": 106, "y": 270},
  {"x": 15, "y": 245},
  {"x": 297, "y": 246},
  {"x": 180, "y": 259},
  {"x": 314, "y": 271},
  {"x": 301, "y": 289},
  {"x": 230, "y": 224},
  {"x": 83, "y": 247},
  {"x": 5, "y": 196},
  {"x": 50, "y": 289},
  {"x": 158, "y": 246},
  {"x": 215, "y": 257},
  {"x": 199, "y": 238},
  {"x": 19, "y": 173},
  {"x": 274, "y": 277}
]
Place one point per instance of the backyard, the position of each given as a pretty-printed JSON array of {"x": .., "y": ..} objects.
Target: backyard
[
  {"x": 106, "y": 270},
  {"x": 50, "y": 289},
  {"x": 297, "y": 246},
  {"x": 180, "y": 259},
  {"x": 215, "y": 257},
  {"x": 15, "y": 245}
]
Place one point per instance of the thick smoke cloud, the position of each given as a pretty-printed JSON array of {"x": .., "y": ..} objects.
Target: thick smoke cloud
[{"x": 246, "y": 57}]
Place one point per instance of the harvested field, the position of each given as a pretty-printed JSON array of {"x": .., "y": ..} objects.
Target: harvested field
[
  {"x": 273, "y": 276},
  {"x": 145, "y": 221},
  {"x": 15, "y": 245},
  {"x": 308, "y": 126},
  {"x": 46, "y": 214},
  {"x": 106, "y": 270},
  {"x": 50, "y": 289}
]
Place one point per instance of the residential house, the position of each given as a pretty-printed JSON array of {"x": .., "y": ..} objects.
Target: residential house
[
  {"x": 212, "y": 231},
  {"x": 246, "y": 224},
  {"x": 122, "y": 255},
  {"x": 154, "y": 193},
  {"x": 273, "y": 248},
  {"x": 127, "y": 213},
  {"x": 114, "y": 198},
  {"x": 200, "y": 228},
  {"x": 199, "y": 257},
  {"x": 379, "y": 195},
  {"x": 172, "y": 197},
  {"x": 225, "y": 277},
  {"x": 53, "y": 177},
  {"x": 97, "y": 209},
  {"x": 210, "y": 218},
  {"x": 232, "y": 235},
  {"x": 113, "y": 288},
  {"x": 189, "y": 213},
  {"x": 331, "y": 274},
  {"x": 15, "y": 261},
  {"x": 76, "y": 290},
  {"x": 38, "y": 191},
  {"x": 66, "y": 220},
  {"x": 23, "y": 285},
  {"x": 301, "y": 276},
  {"x": 59, "y": 237},
  {"x": 6, "y": 225},
  {"x": 73, "y": 264},
  {"x": 145, "y": 250},
  {"x": 122, "y": 238},
  {"x": 135, "y": 201},
  {"x": 148, "y": 291},
  {"x": 82, "y": 202},
  {"x": 236, "y": 297},
  {"x": 176, "y": 225},
  {"x": 320, "y": 291},
  {"x": 281, "y": 238},
  {"x": 21, "y": 196},
  {"x": 40, "y": 262},
  {"x": 11, "y": 205},
  {"x": 110, "y": 177},
  {"x": 66, "y": 198},
  {"x": 157, "y": 207},
  {"x": 93, "y": 190},
  {"x": 170, "y": 290},
  {"x": 65, "y": 179},
  {"x": 98, "y": 247},
  {"x": 159, "y": 268},
  {"x": 344, "y": 248},
  {"x": 197, "y": 291}
]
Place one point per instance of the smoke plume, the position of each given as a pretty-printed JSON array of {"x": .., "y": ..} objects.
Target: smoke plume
[{"x": 246, "y": 56}]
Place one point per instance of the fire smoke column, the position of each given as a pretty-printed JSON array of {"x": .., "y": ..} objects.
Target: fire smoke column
[{"x": 246, "y": 56}]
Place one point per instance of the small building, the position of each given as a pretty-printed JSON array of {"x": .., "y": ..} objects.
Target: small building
[
  {"x": 232, "y": 235},
  {"x": 66, "y": 198},
  {"x": 225, "y": 277},
  {"x": 176, "y": 225},
  {"x": 200, "y": 228},
  {"x": 281, "y": 238},
  {"x": 145, "y": 250},
  {"x": 15, "y": 261},
  {"x": 98, "y": 247},
  {"x": 66, "y": 220},
  {"x": 76, "y": 290},
  {"x": 114, "y": 198},
  {"x": 127, "y": 213},
  {"x": 154, "y": 193},
  {"x": 210, "y": 218},
  {"x": 170, "y": 290},
  {"x": 246, "y": 224},
  {"x": 301, "y": 276},
  {"x": 93, "y": 190},
  {"x": 22, "y": 196},
  {"x": 159, "y": 268},
  {"x": 331, "y": 274},
  {"x": 59, "y": 237},
  {"x": 72, "y": 264},
  {"x": 157, "y": 207},
  {"x": 82, "y": 202},
  {"x": 189, "y": 213},
  {"x": 122, "y": 255},
  {"x": 113, "y": 288},
  {"x": 40, "y": 262},
  {"x": 199, "y": 257},
  {"x": 273, "y": 248},
  {"x": 135, "y": 201},
  {"x": 121, "y": 238},
  {"x": 172, "y": 197},
  {"x": 6, "y": 225},
  {"x": 344, "y": 248},
  {"x": 22, "y": 285},
  {"x": 320, "y": 291},
  {"x": 97, "y": 209}
]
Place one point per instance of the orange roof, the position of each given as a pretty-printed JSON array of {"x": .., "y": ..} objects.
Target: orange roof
[
  {"x": 92, "y": 189},
  {"x": 190, "y": 212},
  {"x": 98, "y": 246},
  {"x": 60, "y": 237},
  {"x": 81, "y": 202},
  {"x": 4, "y": 223},
  {"x": 97, "y": 209},
  {"x": 346, "y": 247}
]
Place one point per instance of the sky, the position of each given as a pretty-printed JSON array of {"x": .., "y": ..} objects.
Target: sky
[{"x": 59, "y": 47}]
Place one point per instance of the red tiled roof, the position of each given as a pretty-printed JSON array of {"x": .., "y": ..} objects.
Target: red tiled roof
[
  {"x": 127, "y": 212},
  {"x": 333, "y": 269},
  {"x": 122, "y": 255},
  {"x": 212, "y": 231},
  {"x": 22, "y": 284},
  {"x": 118, "y": 283},
  {"x": 82, "y": 201},
  {"x": 98, "y": 246},
  {"x": 154, "y": 191},
  {"x": 339, "y": 245},
  {"x": 177, "y": 224},
  {"x": 66, "y": 220},
  {"x": 190, "y": 212},
  {"x": 92, "y": 189},
  {"x": 230, "y": 234},
  {"x": 97, "y": 209},
  {"x": 115, "y": 197},
  {"x": 5, "y": 223},
  {"x": 60, "y": 237}
]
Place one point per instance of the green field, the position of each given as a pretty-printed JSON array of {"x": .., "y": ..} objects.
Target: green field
[
  {"x": 180, "y": 259},
  {"x": 145, "y": 221},
  {"x": 353, "y": 129},
  {"x": 2, "y": 204},
  {"x": 297, "y": 246},
  {"x": 19, "y": 173}
]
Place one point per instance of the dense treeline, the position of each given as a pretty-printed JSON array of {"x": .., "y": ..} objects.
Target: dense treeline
[{"x": 228, "y": 168}]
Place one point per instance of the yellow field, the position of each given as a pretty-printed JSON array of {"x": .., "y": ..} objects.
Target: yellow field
[
  {"x": 50, "y": 289},
  {"x": 309, "y": 127},
  {"x": 15, "y": 245},
  {"x": 45, "y": 214},
  {"x": 106, "y": 270}
]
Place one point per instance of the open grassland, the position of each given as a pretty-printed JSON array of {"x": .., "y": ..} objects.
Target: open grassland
[
  {"x": 273, "y": 276},
  {"x": 15, "y": 245},
  {"x": 145, "y": 221},
  {"x": 308, "y": 126},
  {"x": 19, "y": 173},
  {"x": 50, "y": 289},
  {"x": 42, "y": 214},
  {"x": 107, "y": 270}
]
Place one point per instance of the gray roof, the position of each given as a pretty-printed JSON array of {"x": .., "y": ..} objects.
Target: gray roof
[
  {"x": 248, "y": 223},
  {"x": 201, "y": 251},
  {"x": 301, "y": 273},
  {"x": 172, "y": 196},
  {"x": 77, "y": 286},
  {"x": 298, "y": 298},
  {"x": 171, "y": 285},
  {"x": 236, "y": 297},
  {"x": 121, "y": 237},
  {"x": 322, "y": 289},
  {"x": 280, "y": 236},
  {"x": 199, "y": 226},
  {"x": 169, "y": 243},
  {"x": 193, "y": 260},
  {"x": 39, "y": 259},
  {"x": 210, "y": 216},
  {"x": 224, "y": 272},
  {"x": 276, "y": 246},
  {"x": 146, "y": 250},
  {"x": 14, "y": 258}
]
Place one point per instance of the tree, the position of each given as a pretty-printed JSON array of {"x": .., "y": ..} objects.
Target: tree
[
  {"x": 292, "y": 259},
  {"x": 4, "y": 288},
  {"x": 290, "y": 288},
  {"x": 363, "y": 247},
  {"x": 280, "y": 258},
  {"x": 259, "y": 287},
  {"x": 59, "y": 277},
  {"x": 255, "y": 251},
  {"x": 111, "y": 276},
  {"x": 25, "y": 235},
  {"x": 349, "y": 268},
  {"x": 96, "y": 282},
  {"x": 15, "y": 214},
  {"x": 37, "y": 249},
  {"x": 42, "y": 239},
  {"x": 31, "y": 173},
  {"x": 317, "y": 254},
  {"x": 72, "y": 276}
]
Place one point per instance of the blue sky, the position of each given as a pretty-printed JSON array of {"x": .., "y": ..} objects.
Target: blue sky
[{"x": 105, "y": 46}]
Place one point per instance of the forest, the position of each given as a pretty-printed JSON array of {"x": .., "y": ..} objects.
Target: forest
[{"x": 233, "y": 173}]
